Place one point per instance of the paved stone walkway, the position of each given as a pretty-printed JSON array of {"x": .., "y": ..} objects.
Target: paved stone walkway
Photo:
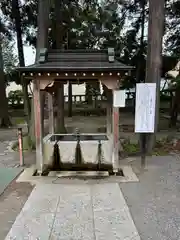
[{"x": 75, "y": 212}]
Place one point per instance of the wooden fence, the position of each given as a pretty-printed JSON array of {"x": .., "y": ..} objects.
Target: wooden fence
[
  {"x": 76, "y": 99},
  {"x": 82, "y": 98}
]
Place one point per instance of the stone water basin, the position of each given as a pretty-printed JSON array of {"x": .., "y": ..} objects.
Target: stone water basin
[
  {"x": 82, "y": 137},
  {"x": 88, "y": 143}
]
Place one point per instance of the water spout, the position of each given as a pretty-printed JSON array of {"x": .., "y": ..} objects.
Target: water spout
[
  {"x": 56, "y": 164},
  {"x": 99, "y": 154}
]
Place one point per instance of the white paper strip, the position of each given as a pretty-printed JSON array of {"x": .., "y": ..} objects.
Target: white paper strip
[{"x": 119, "y": 98}]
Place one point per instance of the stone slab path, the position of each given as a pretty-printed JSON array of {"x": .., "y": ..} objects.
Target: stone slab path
[{"x": 74, "y": 212}]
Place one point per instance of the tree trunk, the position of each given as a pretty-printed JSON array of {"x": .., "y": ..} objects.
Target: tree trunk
[
  {"x": 88, "y": 94},
  {"x": 43, "y": 23},
  {"x": 154, "y": 55},
  {"x": 42, "y": 42},
  {"x": 141, "y": 48},
  {"x": 140, "y": 60},
  {"x": 58, "y": 45},
  {"x": 175, "y": 109},
  {"x": 96, "y": 91},
  {"x": 17, "y": 19},
  {"x": 4, "y": 116},
  {"x": 70, "y": 99},
  {"x": 60, "y": 126}
]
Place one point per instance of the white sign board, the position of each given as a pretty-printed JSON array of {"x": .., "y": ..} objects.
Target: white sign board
[
  {"x": 145, "y": 107},
  {"x": 119, "y": 98}
]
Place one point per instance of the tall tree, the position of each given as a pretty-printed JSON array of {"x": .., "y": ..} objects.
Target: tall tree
[
  {"x": 10, "y": 59},
  {"x": 43, "y": 9},
  {"x": 154, "y": 54},
  {"x": 4, "y": 116},
  {"x": 17, "y": 22},
  {"x": 59, "y": 34},
  {"x": 140, "y": 52},
  {"x": 172, "y": 43}
]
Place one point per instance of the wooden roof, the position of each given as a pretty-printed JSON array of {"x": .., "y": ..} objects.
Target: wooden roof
[{"x": 76, "y": 61}]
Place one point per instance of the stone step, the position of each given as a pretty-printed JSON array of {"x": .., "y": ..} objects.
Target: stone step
[{"x": 78, "y": 174}]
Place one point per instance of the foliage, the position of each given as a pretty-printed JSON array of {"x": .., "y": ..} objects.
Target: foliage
[
  {"x": 102, "y": 24},
  {"x": 83, "y": 23},
  {"x": 9, "y": 59},
  {"x": 8, "y": 51},
  {"x": 130, "y": 148},
  {"x": 16, "y": 97},
  {"x": 173, "y": 27},
  {"x": 162, "y": 147},
  {"x": 27, "y": 144}
]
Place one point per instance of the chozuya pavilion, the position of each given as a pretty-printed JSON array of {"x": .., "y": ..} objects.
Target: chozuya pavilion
[{"x": 76, "y": 151}]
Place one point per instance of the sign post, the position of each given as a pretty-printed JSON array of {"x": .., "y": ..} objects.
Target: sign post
[
  {"x": 145, "y": 114},
  {"x": 118, "y": 101},
  {"x": 20, "y": 141}
]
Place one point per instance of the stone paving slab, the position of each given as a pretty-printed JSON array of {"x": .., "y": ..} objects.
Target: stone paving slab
[
  {"x": 32, "y": 226},
  {"x": 74, "y": 212},
  {"x": 111, "y": 214}
]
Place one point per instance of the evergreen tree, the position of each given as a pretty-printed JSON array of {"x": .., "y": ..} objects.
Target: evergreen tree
[{"x": 4, "y": 116}]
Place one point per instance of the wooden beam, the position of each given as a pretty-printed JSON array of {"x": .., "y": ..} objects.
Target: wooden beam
[
  {"x": 115, "y": 156},
  {"x": 116, "y": 144},
  {"x": 38, "y": 126},
  {"x": 109, "y": 113},
  {"x": 46, "y": 83},
  {"x": 30, "y": 74},
  {"x": 111, "y": 82},
  {"x": 42, "y": 42},
  {"x": 51, "y": 113},
  {"x": 70, "y": 99},
  {"x": 109, "y": 119},
  {"x": 43, "y": 96}
]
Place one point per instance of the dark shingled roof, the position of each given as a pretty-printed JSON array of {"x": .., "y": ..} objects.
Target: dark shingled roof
[{"x": 76, "y": 60}]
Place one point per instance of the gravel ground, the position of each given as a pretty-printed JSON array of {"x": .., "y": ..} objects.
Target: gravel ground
[
  {"x": 9, "y": 158},
  {"x": 154, "y": 201},
  {"x": 16, "y": 194},
  {"x": 11, "y": 203}
]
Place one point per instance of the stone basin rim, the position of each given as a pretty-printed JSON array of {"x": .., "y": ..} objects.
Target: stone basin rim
[{"x": 74, "y": 137}]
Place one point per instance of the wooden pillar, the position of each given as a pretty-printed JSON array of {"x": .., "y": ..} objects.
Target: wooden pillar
[
  {"x": 113, "y": 84},
  {"x": 50, "y": 113},
  {"x": 109, "y": 113},
  {"x": 115, "y": 156},
  {"x": 38, "y": 126},
  {"x": 109, "y": 119},
  {"x": 42, "y": 94},
  {"x": 70, "y": 99}
]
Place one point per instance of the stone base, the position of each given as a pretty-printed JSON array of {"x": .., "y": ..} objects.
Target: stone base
[
  {"x": 79, "y": 174},
  {"x": 28, "y": 175}
]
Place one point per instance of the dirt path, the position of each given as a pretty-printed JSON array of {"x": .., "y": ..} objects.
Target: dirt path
[
  {"x": 16, "y": 194},
  {"x": 11, "y": 203}
]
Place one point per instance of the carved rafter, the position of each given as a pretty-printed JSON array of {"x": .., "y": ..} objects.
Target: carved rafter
[
  {"x": 175, "y": 71},
  {"x": 110, "y": 83}
]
